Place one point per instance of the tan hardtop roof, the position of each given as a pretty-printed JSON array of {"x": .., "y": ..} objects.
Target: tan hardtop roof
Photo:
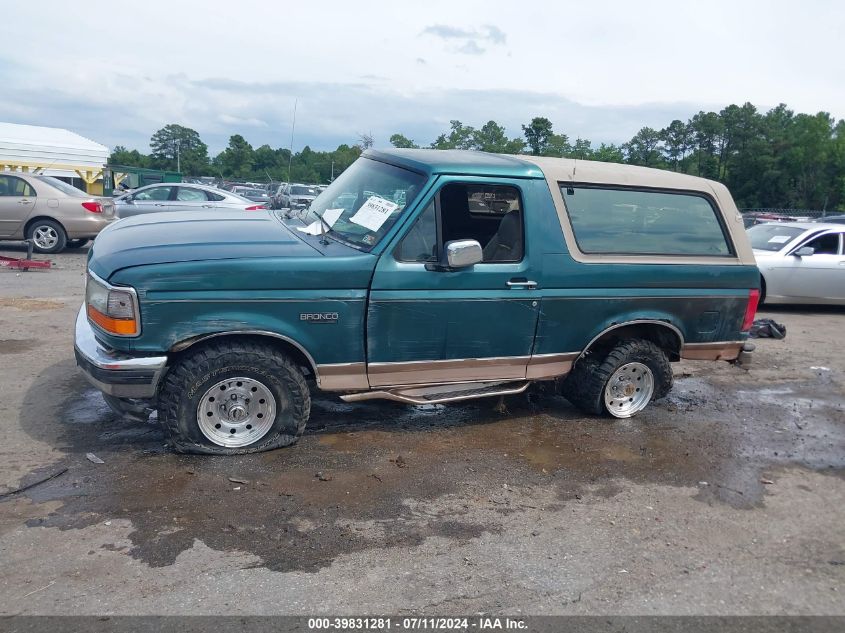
[{"x": 589, "y": 171}]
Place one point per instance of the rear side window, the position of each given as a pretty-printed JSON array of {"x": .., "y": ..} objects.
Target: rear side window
[
  {"x": 630, "y": 222},
  {"x": 187, "y": 194},
  {"x": 153, "y": 193}
]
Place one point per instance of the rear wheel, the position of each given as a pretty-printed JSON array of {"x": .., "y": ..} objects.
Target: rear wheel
[
  {"x": 48, "y": 236},
  {"x": 623, "y": 382},
  {"x": 234, "y": 397}
]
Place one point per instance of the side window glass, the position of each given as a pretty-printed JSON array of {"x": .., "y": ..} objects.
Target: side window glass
[
  {"x": 489, "y": 214},
  {"x": 187, "y": 194},
  {"x": 420, "y": 244},
  {"x": 17, "y": 187},
  {"x": 214, "y": 197},
  {"x": 156, "y": 193},
  {"x": 629, "y": 222},
  {"x": 825, "y": 244}
]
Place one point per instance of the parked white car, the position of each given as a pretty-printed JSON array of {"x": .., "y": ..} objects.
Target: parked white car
[
  {"x": 800, "y": 262},
  {"x": 181, "y": 197}
]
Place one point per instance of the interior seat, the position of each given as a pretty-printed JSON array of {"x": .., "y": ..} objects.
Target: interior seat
[{"x": 506, "y": 244}]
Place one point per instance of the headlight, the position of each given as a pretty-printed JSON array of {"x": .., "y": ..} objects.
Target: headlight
[{"x": 113, "y": 309}]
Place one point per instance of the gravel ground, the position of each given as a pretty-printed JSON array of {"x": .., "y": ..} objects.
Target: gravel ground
[{"x": 724, "y": 498}]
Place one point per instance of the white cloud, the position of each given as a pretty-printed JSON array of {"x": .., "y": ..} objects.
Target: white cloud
[
  {"x": 241, "y": 121},
  {"x": 470, "y": 40},
  {"x": 600, "y": 69}
]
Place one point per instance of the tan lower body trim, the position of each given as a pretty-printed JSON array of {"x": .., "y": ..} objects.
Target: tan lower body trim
[
  {"x": 543, "y": 366},
  {"x": 440, "y": 371},
  {"x": 342, "y": 376},
  {"x": 724, "y": 350}
]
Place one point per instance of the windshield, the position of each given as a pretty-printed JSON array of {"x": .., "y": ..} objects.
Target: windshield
[
  {"x": 772, "y": 237},
  {"x": 62, "y": 186},
  {"x": 303, "y": 191},
  {"x": 253, "y": 192},
  {"x": 365, "y": 201}
]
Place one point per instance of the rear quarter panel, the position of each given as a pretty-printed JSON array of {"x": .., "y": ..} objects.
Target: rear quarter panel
[{"x": 706, "y": 302}]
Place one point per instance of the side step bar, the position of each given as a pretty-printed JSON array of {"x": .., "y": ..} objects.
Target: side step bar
[{"x": 437, "y": 394}]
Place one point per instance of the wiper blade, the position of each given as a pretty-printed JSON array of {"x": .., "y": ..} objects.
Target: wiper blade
[{"x": 327, "y": 228}]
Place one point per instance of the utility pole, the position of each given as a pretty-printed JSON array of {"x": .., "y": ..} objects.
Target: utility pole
[
  {"x": 292, "y": 128},
  {"x": 178, "y": 157},
  {"x": 332, "y": 179}
]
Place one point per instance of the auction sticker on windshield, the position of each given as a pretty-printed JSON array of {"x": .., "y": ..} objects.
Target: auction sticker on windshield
[
  {"x": 780, "y": 239},
  {"x": 374, "y": 213}
]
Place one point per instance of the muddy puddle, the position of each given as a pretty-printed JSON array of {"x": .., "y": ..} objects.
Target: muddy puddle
[{"x": 376, "y": 474}]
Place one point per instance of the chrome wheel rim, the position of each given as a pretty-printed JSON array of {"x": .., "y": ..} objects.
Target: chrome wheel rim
[
  {"x": 236, "y": 412},
  {"x": 45, "y": 237},
  {"x": 629, "y": 390}
]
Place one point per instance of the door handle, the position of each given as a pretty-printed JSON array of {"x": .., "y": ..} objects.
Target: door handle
[
  {"x": 24, "y": 202},
  {"x": 160, "y": 205},
  {"x": 522, "y": 283},
  {"x": 207, "y": 206}
]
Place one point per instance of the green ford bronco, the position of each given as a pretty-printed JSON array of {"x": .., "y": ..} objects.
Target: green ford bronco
[{"x": 420, "y": 276}]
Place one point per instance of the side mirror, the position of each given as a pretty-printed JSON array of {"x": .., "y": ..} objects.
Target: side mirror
[
  {"x": 804, "y": 251},
  {"x": 463, "y": 253}
]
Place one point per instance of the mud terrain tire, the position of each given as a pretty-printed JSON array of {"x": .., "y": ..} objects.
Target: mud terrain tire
[
  {"x": 586, "y": 383},
  {"x": 189, "y": 380}
]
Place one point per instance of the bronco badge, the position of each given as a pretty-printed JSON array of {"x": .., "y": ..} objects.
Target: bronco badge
[{"x": 319, "y": 317}]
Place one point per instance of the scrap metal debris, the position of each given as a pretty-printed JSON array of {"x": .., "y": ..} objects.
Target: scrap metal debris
[{"x": 93, "y": 458}]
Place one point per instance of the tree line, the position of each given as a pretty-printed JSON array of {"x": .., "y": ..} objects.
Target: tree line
[
  {"x": 175, "y": 146},
  {"x": 776, "y": 159}
]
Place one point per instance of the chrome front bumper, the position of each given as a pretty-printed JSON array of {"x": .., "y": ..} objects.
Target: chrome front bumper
[{"x": 112, "y": 372}]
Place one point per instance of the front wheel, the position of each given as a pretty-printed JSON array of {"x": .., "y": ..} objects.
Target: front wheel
[
  {"x": 232, "y": 398},
  {"x": 621, "y": 384}
]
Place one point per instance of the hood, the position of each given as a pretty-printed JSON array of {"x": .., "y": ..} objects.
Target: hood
[{"x": 189, "y": 236}]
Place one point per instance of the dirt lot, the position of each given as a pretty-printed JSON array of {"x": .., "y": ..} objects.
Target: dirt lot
[{"x": 726, "y": 497}]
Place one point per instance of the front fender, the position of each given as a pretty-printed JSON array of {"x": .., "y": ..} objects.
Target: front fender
[{"x": 167, "y": 325}]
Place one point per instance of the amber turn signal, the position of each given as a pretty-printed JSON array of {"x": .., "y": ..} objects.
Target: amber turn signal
[{"x": 122, "y": 327}]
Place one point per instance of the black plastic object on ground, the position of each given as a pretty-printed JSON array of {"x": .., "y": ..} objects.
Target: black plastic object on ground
[{"x": 767, "y": 328}]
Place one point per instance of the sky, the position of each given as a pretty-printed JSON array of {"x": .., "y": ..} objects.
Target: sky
[{"x": 599, "y": 70}]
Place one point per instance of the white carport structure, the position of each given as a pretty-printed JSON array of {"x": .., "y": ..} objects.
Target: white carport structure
[{"x": 54, "y": 152}]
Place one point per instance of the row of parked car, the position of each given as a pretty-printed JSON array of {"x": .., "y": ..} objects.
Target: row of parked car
[
  {"x": 293, "y": 195},
  {"x": 763, "y": 217},
  {"x": 275, "y": 195},
  {"x": 56, "y": 215}
]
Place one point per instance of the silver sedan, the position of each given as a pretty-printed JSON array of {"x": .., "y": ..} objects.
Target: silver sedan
[
  {"x": 801, "y": 262},
  {"x": 180, "y": 197}
]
